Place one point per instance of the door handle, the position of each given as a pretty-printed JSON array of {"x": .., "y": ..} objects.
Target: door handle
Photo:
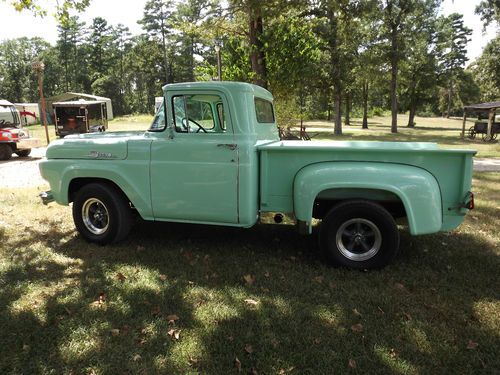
[{"x": 231, "y": 146}]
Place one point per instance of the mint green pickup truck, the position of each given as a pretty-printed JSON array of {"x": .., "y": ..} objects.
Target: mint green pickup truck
[{"x": 213, "y": 156}]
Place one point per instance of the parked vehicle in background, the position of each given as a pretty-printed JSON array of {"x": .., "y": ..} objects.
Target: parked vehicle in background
[
  {"x": 213, "y": 156},
  {"x": 82, "y": 116},
  {"x": 13, "y": 138}
]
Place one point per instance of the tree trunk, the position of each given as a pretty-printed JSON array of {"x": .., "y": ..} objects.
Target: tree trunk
[
  {"x": 338, "y": 112},
  {"x": 365, "y": 105},
  {"x": 450, "y": 95},
  {"x": 394, "y": 79},
  {"x": 411, "y": 117},
  {"x": 335, "y": 66},
  {"x": 257, "y": 56},
  {"x": 348, "y": 108}
]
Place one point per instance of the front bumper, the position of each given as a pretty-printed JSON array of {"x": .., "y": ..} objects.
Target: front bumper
[
  {"x": 28, "y": 143},
  {"x": 46, "y": 197}
]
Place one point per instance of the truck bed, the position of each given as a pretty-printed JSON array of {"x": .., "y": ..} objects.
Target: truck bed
[{"x": 452, "y": 168}]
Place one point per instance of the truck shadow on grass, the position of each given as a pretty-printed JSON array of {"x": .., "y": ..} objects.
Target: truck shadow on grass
[{"x": 262, "y": 295}]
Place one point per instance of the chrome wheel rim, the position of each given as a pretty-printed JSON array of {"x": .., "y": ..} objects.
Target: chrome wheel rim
[
  {"x": 358, "y": 239},
  {"x": 95, "y": 216}
]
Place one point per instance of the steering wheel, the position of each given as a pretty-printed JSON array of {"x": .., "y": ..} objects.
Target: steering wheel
[{"x": 185, "y": 124}]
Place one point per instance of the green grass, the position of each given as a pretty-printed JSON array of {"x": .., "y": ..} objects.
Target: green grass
[
  {"x": 417, "y": 316},
  {"x": 444, "y": 131}
]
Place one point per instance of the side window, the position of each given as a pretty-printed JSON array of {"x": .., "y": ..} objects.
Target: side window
[
  {"x": 198, "y": 113},
  {"x": 159, "y": 119},
  {"x": 221, "y": 118},
  {"x": 264, "y": 111}
]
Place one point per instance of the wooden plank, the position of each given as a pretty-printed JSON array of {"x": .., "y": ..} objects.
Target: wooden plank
[
  {"x": 463, "y": 124},
  {"x": 491, "y": 118}
]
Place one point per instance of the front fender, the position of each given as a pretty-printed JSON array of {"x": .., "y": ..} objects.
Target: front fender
[
  {"x": 60, "y": 173},
  {"x": 417, "y": 189}
]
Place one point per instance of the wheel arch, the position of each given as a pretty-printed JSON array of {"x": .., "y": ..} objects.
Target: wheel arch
[{"x": 415, "y": 188}]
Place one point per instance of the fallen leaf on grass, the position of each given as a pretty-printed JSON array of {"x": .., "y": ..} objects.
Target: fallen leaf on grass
[
  {"x": 472, "y": 345},
  {"x": 249, "y": 279},
  {"x": 136, "y": 358},
  {"x": 317, "y": 341},
  {"x": 251, "y": 302},
  {"x": 352, "y": 364},
  {"x": 114, "y": 332},
  {"x": 400, "y": 286},
  {"x": 407, "y": 316},
  {"x": 155, "y": 310},
  {"x": 174, "y": 334},
  {"x": 393, "y": 353},
  {"x": 357, "y": 327},
  {"x": 319, "y": 279},
  {"x": 248, "y": 349},
  {"x": 275, "y": 343},
  {"x": 100, "y": 300},
  {"x": 26, "y": 347},
  {"x": 237, "y": 364},
  {"x": 121, "y": 277},
  {"x": 356, "y": 312},
  {"x": 286, "y": 371},
  {"x": 163, "y": 277},
  {"x": 267, "y": 274},
  {"x": 172, "y": 318}
]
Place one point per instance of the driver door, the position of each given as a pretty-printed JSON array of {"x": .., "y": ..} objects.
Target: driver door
[{"x": 194, "y": 171}]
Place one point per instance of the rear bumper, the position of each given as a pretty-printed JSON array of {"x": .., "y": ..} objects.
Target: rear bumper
[{"x": 28, "y": 143}]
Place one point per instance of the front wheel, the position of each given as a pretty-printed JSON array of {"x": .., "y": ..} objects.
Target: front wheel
[
  {"x": 101, "y": 213},
  {"x": 23, "y": 153},
  {"x": 5, "y": 151},
  {"x": 359, "y": 234}
]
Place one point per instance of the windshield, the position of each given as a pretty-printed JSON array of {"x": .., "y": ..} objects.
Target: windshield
[
  {"x": 159, "y": 119},
  {"x": 8, "y": 116}
]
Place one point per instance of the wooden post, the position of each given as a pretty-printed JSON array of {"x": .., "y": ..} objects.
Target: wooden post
[
  {"x": 463, "y": 124},
  {"x": 39, "y": 67},
  {"x": 491, "y": 119}
]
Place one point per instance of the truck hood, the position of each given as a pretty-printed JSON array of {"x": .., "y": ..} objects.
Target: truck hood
[{"x": 104, "y": 146}]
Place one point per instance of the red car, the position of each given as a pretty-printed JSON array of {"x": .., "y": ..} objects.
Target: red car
[{"x": 13, "y": 138}]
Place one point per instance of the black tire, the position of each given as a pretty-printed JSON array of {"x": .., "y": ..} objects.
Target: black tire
[
  {"x": 101, "y": 213},
  {"x": 359, "y": 234},
  {"x": 472, "y": 132},
  {"x": 23, "y": 153},
  {"x": 5, "y": 151}
]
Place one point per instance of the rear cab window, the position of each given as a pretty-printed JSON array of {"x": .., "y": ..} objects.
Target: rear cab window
[{"x": 264, "y": 111}]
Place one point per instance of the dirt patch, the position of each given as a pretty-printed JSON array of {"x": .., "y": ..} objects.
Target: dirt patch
[{"x": 23, "y": 172}]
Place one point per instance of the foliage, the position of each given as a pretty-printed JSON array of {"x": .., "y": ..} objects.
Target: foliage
[
  {"x": 321, "y": 59},
  {"x": 486, "y": 71}
]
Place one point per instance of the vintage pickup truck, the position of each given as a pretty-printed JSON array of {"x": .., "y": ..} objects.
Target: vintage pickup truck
[{"x": 213, "y": 156}]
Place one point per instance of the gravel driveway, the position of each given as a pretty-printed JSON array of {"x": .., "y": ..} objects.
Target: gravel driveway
[{"x": 23, "y": 172}]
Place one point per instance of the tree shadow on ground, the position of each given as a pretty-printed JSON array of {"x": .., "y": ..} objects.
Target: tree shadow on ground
[{"x": 304, "y": 317}]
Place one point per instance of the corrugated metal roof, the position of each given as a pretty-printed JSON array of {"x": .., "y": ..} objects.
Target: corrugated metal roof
[
  {"x": 487, "y": 105},
  {"x": 5, "y": 102}
]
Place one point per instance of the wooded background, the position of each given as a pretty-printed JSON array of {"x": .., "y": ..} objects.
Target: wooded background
[{"x": 321, "y": 59}]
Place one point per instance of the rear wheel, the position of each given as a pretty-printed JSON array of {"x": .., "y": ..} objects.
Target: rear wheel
[
  {"x": 5, "y": 151},
  {"x": 359, "y": 234},
  {"x": 101, "y": 213},
  {"x": 23, "y": 153}
]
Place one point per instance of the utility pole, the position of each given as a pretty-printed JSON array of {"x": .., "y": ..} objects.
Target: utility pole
[
  {"x": 39, "y": 67},
  {"x": 219, "y": 63}
]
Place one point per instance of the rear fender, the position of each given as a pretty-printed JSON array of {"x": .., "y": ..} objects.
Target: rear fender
[{"x": 417, "y": 189}]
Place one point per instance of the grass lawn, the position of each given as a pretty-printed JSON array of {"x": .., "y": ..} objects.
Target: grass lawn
[
  {"x": 181, "y": 299},
  {"x": 444, "y": 131},
  {"x": 433, "y": 129}
]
